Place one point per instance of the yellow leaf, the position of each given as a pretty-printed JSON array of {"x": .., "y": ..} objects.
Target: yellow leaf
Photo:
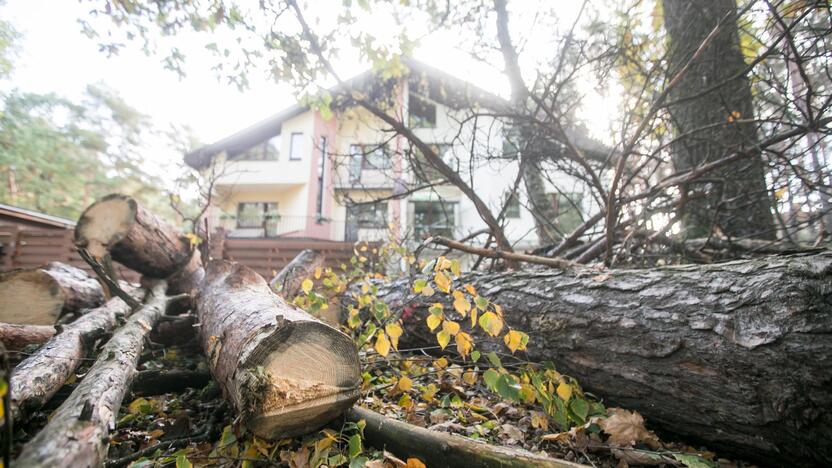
[
  {"x": 564, "y": 391},
  {"x": 443, "y": 282},
  {"x": 471, "y": 289},
  {"x": 440, "y": 363},
  {"x": 365, "y": 288},
  {"x": 442, "y": 263},
  {"x": 781, "y": 192},
  {"x": 469, "y": 377},
  {"x": 516, "y": 340},
  {"x": 491, "y": 323},
  {"x": 427, "y": 291},
  {"x": 318, "y": 273},
  {"x": 394, "y": 331},
  {"x": 415, "y": 463},
  {"x": 443, "y": 338},
  {"x": 405, "y": 383},
  {"x": 433, "y": 321},
  {"x": 462, "y": 305},
  {"x": 382, "y": 345},
  {"x": 455, "y": 268},
  {"x": 473, "y": 318},
  {"x": 464, "y": 344},
  {"x": 450, "y": 326},
  {"x": 306, "y": 285}
]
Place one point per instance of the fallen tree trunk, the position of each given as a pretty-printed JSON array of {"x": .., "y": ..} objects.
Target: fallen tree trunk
[
  {"x": 35, "y": 380},
  {"x": 138, "y": 239},
  {"x": 284, "y": 371},
  {"x": 16, "y": 337},
  {"x": 287, "y": 281},
  {"x": 76, "y": 434},
  {"x": 437, "y": 449},
  {"x": 41, "y": 295},
  {"x": 736, "y": 355}
]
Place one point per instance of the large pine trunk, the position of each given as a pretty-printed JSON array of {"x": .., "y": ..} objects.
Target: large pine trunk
[
  {"x": 77, "y": 432},
  {"x": 41, "y": 295},
  {"x": 133, "y": 236},
  {"x": 284, "y": 371},
  {"x": 736, "y": 355}
]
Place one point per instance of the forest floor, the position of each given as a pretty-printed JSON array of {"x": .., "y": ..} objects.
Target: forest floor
[{"x": 189, "y": 426}]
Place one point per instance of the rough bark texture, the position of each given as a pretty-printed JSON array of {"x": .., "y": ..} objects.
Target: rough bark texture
[
  {"x": 39, "y": 296},
  {"x": 284, "y": 371},
  {"x": 35, "y": 380},
  {"x": 437, "y": 449},
  {"x": 17, "y": 337},
  {"x": 287, "y": 281},
  {"x": 713, "y": 113},
  {"x": 135, "y": 238},
  {"x": 76, "y": 434},
  {"x": 736, "y": 355}
]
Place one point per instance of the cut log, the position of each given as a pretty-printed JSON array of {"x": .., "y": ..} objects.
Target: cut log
[
  {"x": 138, "y": 239},
  {"x": 35, "y": 380},
  {"x": 438, "y": 449},
  {"x": 76, "y": 434},
  {"x": 284, "y": 371},
  {"x": 39, "y": 296},
  {"x": 287, "y": 281},
  {"x": 17, "y": 337},
  {"x": 735, "y": 355}
]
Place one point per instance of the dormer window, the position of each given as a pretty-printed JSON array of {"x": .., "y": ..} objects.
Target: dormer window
[{"x": 422, "y": 112}]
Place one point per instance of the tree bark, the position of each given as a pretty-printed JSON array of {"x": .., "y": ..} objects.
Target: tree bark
[
  {"x": 139, "y": 240},
  {"x": 437, "y": 449},
  {"x": 36, "y": 380},
  {"x": 76, "y": 434},
  {"x": 17, "y": 337},
  {"x": 736, "y": 355},
  {"x": 288, "y": 280},
  {"x": 284, "y": 371},
  {"x": 713, "y": 113},
  {"x": 40, "y": 296}
]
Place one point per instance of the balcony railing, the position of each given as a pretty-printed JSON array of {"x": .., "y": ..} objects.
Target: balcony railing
[{"x": 271, "y": 225}]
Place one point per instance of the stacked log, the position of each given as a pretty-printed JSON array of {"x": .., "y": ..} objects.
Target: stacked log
[
  {"x": 40, "y": 296},
  {"x": 17, "y": 337}
]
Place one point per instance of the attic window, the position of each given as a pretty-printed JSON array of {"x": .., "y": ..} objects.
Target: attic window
[
  {"x": 421, "y": 111},
  {"x": 266, "y": 151}
]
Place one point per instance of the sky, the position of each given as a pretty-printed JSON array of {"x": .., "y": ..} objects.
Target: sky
[{"x": 56, "y": 57}]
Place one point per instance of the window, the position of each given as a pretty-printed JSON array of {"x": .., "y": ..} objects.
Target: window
[
  {"x": 256, "y": 214},
  {"x": 513, "y": 208},
  {"x": 434, "y": 218},
  {"x": 365, "y": 216},
  {"x": 567, "y": 206},
  {"x": 421, "y": 112},
  {"x": 296, "y": 147},
  {"x": 368, "y": 157},
  {"x": 266, "y": 151},
  {"x": 424, "y": 170},
  {"x": 319, "y": 201}
]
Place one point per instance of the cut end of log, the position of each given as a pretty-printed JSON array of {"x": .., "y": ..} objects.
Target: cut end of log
[
  {"x": 286, "y": 396},
  {"x": 105, "y": 223},
  {"x": 30, "y": 297}
]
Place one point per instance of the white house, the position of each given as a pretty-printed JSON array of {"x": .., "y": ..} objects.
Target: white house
[{"x": 340, "y": 174}]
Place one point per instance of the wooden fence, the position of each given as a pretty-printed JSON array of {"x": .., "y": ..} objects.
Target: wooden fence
[{"x": 30, "y": 248}]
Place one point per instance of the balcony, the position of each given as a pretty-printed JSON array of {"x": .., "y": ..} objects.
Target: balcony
[{"x": 263, "y": 173}]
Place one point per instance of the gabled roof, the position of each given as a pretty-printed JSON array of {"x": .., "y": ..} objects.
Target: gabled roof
[
  {"x": 442, "y": 87},
  {"x": 34, "y": 217}
]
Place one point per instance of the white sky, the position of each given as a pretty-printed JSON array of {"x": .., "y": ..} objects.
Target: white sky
[{"x": 56, "y": 57}]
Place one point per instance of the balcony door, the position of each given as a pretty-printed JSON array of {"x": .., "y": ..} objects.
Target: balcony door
[{"x": 260, "y": 216}]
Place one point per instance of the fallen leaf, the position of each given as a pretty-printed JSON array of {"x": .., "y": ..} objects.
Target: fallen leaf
[{"x": 625, "y": 428}]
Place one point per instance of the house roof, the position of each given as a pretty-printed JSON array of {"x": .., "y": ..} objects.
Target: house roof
[
  {"x": 34, "y": 217},
  {"x": 444, "y": 88}
]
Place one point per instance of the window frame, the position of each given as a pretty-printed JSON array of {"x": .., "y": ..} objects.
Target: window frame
[
  {"x": 292, "y": 146},
  {"x": 419, "y": 122},
  {"x": 265, "y": 213}
]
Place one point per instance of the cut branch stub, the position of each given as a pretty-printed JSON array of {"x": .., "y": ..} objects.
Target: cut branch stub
[
  {"x": 284, "y": 371},
  {"x": 39, "y": 296},
  {"x": 133, "y": 236}
]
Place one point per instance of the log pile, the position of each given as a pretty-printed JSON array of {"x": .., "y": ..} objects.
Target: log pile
[{"x": 285, "y": 372}]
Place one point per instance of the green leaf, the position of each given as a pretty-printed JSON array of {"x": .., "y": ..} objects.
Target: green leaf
[
  {"x": 358, "y": 462},
  {"x": 494, "y": 359},
  {"x": 580, "y": 407},
  {"x": 490, "y": 378},
  {"x": 419, "y": 285},
  {"x": 354, "y": 444},
  {"x": 183, "y": 462},
  {"x": 506, "y": 388},
  {"x": 475, "y": 356}
]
